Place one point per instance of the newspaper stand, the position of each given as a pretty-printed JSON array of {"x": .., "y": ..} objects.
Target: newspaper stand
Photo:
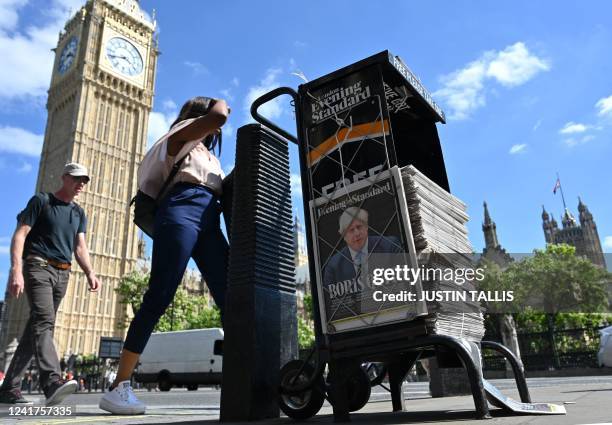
[{"x": 354, "y": 125}]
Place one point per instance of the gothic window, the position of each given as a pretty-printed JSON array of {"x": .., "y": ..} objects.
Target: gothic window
[
  {"x": 116, "y": 233},
  {"x": 128, "y": 128},
  {"x": 107, "y": 120},
  {"x": 100, "y": 232},
  {"x": 93, "y": 232},
  {"x": 120, "y": 185},
  {"x": 114, "y": 183},
  {"x": 94, "y": 167},
  {"x": 120, "y": 128},
  {"x": 101, "y": 119},
  {"x": 108, "y": 298},
  {"x": 99, "y": 306},
  {"x": 107, "y": 233},
  {"x": 83, "y": 298},
  {"x": 135, "y": 119},
  {"x": 101, "y": 177}
]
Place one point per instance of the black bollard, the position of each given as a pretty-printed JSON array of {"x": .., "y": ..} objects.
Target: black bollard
[{"x": 260, "y": 310}]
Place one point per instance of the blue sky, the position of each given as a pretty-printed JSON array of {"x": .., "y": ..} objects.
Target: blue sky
[{"x": 525, "y": 85}]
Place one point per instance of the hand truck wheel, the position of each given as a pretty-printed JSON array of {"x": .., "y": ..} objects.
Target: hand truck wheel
[
  {"x": 359, "y": 389},
  {"x": 306, "y": 404}
]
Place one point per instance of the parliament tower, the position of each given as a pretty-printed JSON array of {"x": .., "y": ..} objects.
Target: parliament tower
[
  {"x": 583, "y": 236},
  {"x": 493, "y": 250},
  {"x": 98, "y": 105}
]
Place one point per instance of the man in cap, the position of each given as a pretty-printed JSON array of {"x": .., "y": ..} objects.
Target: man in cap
[{"x": 49, "y": 230}]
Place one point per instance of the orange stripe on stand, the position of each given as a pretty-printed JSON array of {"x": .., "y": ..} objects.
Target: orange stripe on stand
[{"x": 345, "y": 135}]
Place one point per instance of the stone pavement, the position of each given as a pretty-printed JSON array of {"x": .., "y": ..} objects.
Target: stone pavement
[{"x": 586, "y": 403}]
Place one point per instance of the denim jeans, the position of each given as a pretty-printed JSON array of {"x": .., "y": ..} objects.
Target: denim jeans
[
  {"x": 45, "y": 287},
  {"x": 186, "y": 226}
]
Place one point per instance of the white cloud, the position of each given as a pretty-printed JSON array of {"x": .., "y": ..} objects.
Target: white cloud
[
  {"x": 299, "y": 44},
  {"x": 515, "y": 65},
  {"x": 159, "y": 123},
  {"x": 26, "y": 167},
  {"x": 18, "y": 140},
  {"x": 5, "y": 240},
  {"x": 272, "y": 109},
  {"x": 27, "y": 73},
  {"x": 8, "y": 13},
  {"x": 235, "y": 82},
  {"x": 605, "y": 106},
  {"x": 196, "y": 67},
  {"x": 463, "y": 90},
  {"x": 518, "y": 149},
  {"x": 537, "y": 125},
  {"x": 572, "y": 128},
  {"x": 572, "y": 141},
  {"x": 296, "y": 186},
  {"x": 169, "y": 105},
  {"x": 608, "y": 242}
]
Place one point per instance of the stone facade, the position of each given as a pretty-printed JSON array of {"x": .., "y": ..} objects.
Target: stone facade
[
  {"x": 493, "y": 251},
  {"x": 97, "y": 116},
  {"x": 583, "y": 236}
]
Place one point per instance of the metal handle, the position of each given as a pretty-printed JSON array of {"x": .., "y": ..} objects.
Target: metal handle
[{"x": 268, "y": 97}]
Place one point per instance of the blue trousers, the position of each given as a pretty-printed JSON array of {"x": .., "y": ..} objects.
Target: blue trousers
[{"x": 186, "y": 226}]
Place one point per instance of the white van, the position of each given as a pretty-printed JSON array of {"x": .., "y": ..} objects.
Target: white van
[{"x": 185, "y": 358}]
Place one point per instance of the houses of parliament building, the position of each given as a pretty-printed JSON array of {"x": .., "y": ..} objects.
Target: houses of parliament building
[{"x": 581, "y": 234}]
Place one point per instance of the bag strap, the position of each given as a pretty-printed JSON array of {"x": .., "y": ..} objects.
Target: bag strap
[{"x": 174, "y": 171}]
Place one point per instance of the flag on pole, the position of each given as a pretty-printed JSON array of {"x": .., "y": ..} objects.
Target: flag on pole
[{"x": 557, "y": 186}]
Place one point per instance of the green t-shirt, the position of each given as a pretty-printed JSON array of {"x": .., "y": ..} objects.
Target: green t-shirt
[{"x": 55, "y": 225}]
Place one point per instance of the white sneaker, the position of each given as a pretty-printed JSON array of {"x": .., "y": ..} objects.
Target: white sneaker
[{"x": 122, "y": 401}]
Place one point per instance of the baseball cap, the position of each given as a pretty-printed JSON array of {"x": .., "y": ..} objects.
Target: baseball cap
[{"x": 76, "y": 170}]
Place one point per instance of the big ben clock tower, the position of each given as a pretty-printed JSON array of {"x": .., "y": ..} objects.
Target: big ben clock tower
[{"x": 98, "y": 106}]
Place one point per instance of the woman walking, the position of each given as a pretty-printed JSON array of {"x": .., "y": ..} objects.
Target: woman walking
[{"x": 186, "y": 226}]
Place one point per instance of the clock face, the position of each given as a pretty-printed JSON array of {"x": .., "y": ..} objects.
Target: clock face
[
  {"x": 68, "y": 54},
  {"x": 124, "y": 56}
]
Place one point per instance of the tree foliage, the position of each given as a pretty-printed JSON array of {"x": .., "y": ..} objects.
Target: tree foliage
[
  {"x": 186, "y": 311},
  {"x": 553, "y": 280},
  {"x": 306, "y": 335}
]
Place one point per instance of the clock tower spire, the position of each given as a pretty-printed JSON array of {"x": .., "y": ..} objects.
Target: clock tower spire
[{"x": 98, "y": 104}]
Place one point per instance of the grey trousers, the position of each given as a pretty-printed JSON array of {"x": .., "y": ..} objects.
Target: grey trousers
[{"x": 45, "y": 287}]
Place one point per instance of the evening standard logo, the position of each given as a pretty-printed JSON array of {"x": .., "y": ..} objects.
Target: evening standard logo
[
  {"x": 338, "y": 100},
  {"x": 353, "y": 199}
]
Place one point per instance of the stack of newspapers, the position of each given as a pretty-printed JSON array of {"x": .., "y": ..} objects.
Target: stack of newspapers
[{"x": 438, "y": 220}]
